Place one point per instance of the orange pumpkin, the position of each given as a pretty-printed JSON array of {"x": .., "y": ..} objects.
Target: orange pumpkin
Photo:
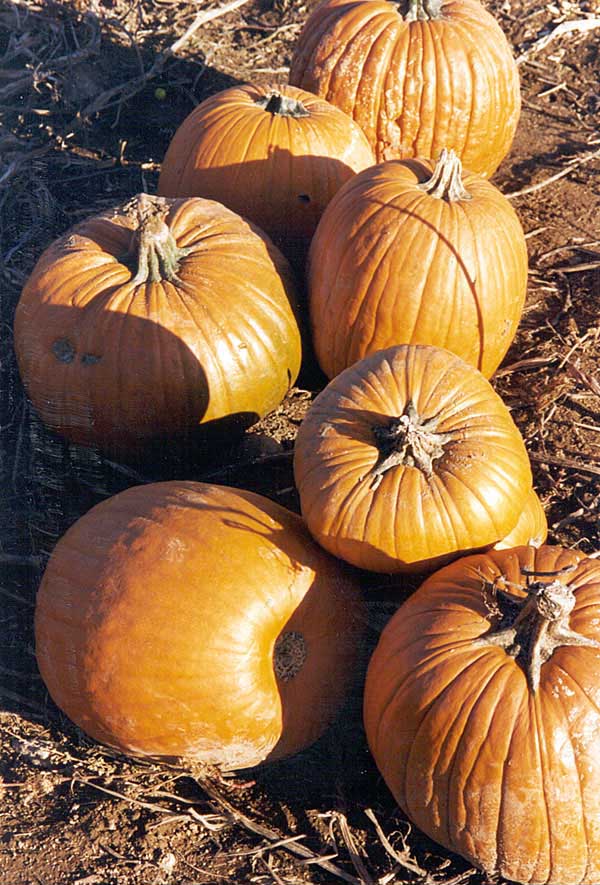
[
  {"x": 531, "y": 528},
  {"x": 276, "y": 156},
  {"x": 193, "y": 620},
  {"x": 412, "y": 252},
  {"x": 153, "y": 319},
  {"x": 407, "y": 459},
  {"x": 416, "y": 75},
  {"x": 482, "y": 707}
]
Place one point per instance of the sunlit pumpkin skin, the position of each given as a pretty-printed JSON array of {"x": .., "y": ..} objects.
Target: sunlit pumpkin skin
[
  {"x": 276, "y": 156},
  {"x": 486, "y": 729},
  {"x": 416, "y": 252},
  {"x": 531, "y": 528},
  {"x": 416, "y": 76},
  {"x": 192, "y": 620},
  {"x": 152, "y": 319},
  {"x": 407, "y": 459}
]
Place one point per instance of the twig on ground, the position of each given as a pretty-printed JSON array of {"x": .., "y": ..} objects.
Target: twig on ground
[
  {"x": 569, "y": 463},
  {"x": 567, "y": 359},
  {"x": 577, "y": 268},
  {"x": 353, "y": 850},
  {"x": 568, "y": 247},
  {"x": 534, "y": 362},
  {"x": 573, "y": 164},
  {"x": 589, "y": 381},
  {"x": 579, "y": 25},
  {"x": 404, "y": 859},
  {"x": 300, "y": 851},
  {"x": 212, "y": 822},
  {"x": 203, "y": 18},
  {"x": 581, "y": 511}
]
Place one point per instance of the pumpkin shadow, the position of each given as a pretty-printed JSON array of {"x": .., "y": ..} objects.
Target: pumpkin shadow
[
  {"x": 281, "y": 193},
  {"x": 121, "y": 389}
]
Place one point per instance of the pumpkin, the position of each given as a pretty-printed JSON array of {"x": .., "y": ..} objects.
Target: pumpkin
[
  {"x": 276, "y": 156},
  {"x": 481, "y": 710},
  {"x": 193, "y": 620},
  {"x": 416, "y": 75},
  {"x": 150, "y": 320},
  {"x": 412, "y": 252},
  {"x": 531, "y": 528},
  {"x": 407, "y": 459}
]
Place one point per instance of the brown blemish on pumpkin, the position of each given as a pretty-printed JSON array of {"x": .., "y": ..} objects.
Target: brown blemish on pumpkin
[
  {"x": 64, "y": 350},
  {"x": 88, "y": 359},
  {"x": 289, "y": 655}
]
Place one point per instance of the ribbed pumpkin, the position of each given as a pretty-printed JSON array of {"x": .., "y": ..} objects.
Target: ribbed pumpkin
[
  {"x": 416, "y": 75},
  {"x": 412, "y": 252},
  {"x": 276, "y": 156},
  {"x": 193, "y": 620},
  {"x": 154, "y": 318},
  {"x": 407, "y": 459},
  {"x": 481, "y": 710},
  {"x": 531, "y": 528}
]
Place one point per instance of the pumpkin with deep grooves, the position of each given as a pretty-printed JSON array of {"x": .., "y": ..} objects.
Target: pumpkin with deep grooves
[
  {"x": 416, "y": 75},
  {"x": 153, "y": 319},
  {"x": 193, "y": 620},
  {"x": 481, "y": 710},
  {"x": 417, "y": 252},
  {"x": 408, "y": 458}
]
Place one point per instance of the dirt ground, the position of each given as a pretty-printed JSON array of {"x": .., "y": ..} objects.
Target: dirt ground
[{"x": 90, "y": 95}]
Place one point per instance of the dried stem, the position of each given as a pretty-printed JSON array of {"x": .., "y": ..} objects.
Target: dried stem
[
  {"x": 154, "y": 253},
  {"x": 446, "y": 182},
  {"x": 408, "y": 441},
  {"x": 282, "y": 105},
  {"x": 533, "y": 626}
]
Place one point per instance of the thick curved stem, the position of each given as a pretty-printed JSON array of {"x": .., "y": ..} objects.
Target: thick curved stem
[
  {"x": 154, "y": 253},
  {"x": 281, "y": 105},
  {"x": 446, "y": 182},
  {"x": 540, "y": 626}
]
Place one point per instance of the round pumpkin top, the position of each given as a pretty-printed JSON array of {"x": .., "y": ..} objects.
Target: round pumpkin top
[
  {"x": 408, "y": 458},
  {"x": 275, "y": 155}
]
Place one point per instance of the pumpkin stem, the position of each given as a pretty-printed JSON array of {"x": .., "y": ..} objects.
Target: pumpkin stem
[
  {"x": 408, "y": 441},
  {"x": 420, "y": 10},
  {"x": 531, "y": 627},
  {"x": 446, "y": 182},
  {"x": 281, "y": 105},
  {"x": 289, "y": 655},
  {"x": 154, "y": 253}
]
